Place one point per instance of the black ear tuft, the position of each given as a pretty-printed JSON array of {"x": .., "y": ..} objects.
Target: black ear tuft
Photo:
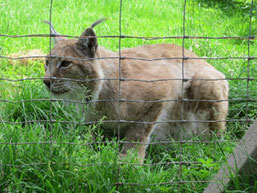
[
  {"x": 54, "y": 33},
  {"x": 87, "y": 43}
]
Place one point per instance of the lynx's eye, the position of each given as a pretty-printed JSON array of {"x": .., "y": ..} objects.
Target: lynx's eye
[{"x": 64, "y": 64}]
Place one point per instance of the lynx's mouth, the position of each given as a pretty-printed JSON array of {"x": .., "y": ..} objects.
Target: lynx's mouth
[
  {"x": 76, "y": 95},
  {"x": 57, "y": 91}
]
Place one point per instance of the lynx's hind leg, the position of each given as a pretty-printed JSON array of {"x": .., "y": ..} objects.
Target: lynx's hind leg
[{"x": 205, "y": 86}]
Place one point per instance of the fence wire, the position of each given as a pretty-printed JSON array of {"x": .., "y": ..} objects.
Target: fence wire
[{"x": 120, "y": 100}]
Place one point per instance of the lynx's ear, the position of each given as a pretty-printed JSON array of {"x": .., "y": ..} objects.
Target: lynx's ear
[
  {"x": 87, "y": 43},
  {"x": 54, "y": 33}
]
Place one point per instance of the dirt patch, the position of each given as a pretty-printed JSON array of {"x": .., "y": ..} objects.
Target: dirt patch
[{"x": 26, "y": 57}]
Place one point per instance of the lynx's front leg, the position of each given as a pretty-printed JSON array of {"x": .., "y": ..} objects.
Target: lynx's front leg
[
  {"x": 137, "y": 137},
  {"x": 141, "y": 133}
]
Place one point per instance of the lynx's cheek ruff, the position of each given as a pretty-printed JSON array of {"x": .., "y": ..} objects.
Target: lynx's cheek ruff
[{"x": 158, "y": 103}]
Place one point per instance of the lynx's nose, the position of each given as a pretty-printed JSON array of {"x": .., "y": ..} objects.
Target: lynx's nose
[{"x": 47, "y": 82}]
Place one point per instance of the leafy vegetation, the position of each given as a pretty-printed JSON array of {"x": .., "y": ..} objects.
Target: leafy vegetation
[{"x": 57, "y": 157}]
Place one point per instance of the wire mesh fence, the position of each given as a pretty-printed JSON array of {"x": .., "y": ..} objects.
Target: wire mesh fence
[{"x": 181, "y": 162}]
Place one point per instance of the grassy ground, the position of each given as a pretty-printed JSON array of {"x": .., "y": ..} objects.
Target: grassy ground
[{"x": 67, "y": 164}]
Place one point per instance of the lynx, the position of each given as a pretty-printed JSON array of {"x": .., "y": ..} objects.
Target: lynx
[{"x": 149, "y": 106}]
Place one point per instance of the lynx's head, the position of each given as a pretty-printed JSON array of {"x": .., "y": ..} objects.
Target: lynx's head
[{"x": 71, "y": 62}]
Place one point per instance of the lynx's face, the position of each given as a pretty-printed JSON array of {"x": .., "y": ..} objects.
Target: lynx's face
[
  {"x": 70, "y": 65},
  {"x": 65, "y": 70}
]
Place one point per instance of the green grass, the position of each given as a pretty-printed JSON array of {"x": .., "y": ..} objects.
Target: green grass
[{"x": 67, "y": 164}]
